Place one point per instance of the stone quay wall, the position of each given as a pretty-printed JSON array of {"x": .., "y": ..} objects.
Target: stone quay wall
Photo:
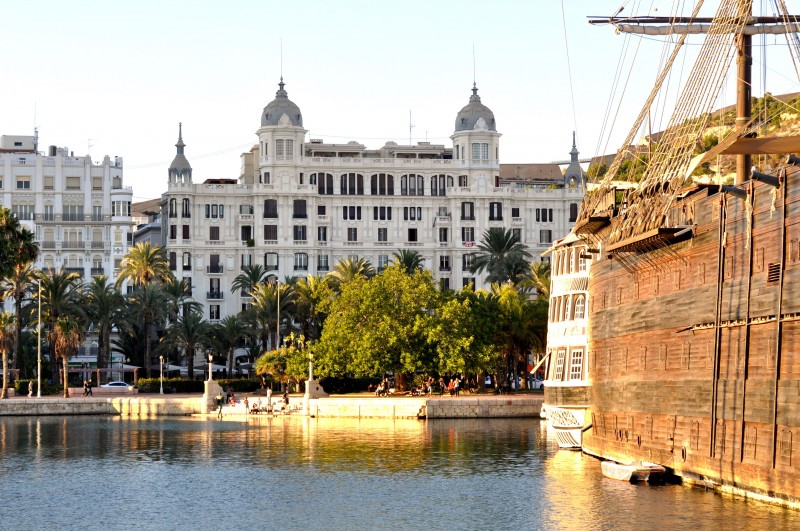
[
  {"x": 469, "y": 406},
  {"x": 135, "y": 405}
]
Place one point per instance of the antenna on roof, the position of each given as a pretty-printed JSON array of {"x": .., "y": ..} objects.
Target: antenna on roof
[
  {"x": 473, "y": 65},
  {"x": 410, "y": 126}
]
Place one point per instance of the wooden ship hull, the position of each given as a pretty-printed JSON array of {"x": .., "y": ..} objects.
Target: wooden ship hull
[
  {"x": 694, "y": 297},
  {"x": 694, "y": 345}
]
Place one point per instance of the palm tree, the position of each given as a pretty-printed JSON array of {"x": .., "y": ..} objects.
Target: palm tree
[
  {"x": 190, "y": 332},
  {"x": 144, "y": 264},
  {"x": 68, "y": 334},
  {"x": 105, "y": 307},
  {"x": 228, "y": 334},
  {"x": 347, "y": 269},
  {"x": 537, "y": 278},
  {"x": 177, "y": 294},
  {"x": 61, "y": 298},
  {"x": 500, "y": 255},
  {"x": 263, "y": 313},
  {"x": 149, "y": 303},
  {"x": 17, "y": 245},
  {"x": 409, "y": 259},
  {"x": 19, "y": 286},
  {"x": 310, "y": 295},
  {"x": 7, "y": 329},
  {"x": 249, "y": 277}
]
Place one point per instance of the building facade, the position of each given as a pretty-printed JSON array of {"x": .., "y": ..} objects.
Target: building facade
[
  {"x": 301, "y": 205},
  {"x": 78, "y": 210}
]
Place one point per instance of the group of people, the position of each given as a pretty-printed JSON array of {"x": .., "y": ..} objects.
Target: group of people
[
  {"x": 383, "y": 388},
  {"x": 87, "y": 388}
]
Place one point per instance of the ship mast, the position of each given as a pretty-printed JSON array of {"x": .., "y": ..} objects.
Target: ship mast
[{"x": 744, "y": 76}]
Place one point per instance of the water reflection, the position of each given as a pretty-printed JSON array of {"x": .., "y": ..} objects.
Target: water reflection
[{"x": 303, "y": 473}]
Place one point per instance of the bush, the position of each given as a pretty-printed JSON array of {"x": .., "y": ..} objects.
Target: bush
[
  {"x": 347, "y": 385},
  {"x": 240, "y": 385},
  {"x": 21, "y": 388},
  {"x": 171, "y": 385}
]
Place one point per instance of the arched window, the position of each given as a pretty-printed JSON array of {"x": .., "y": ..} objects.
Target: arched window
[
  {"x": 439, "y": 184},
  {"x": 412, "y": 185},
  {"x": 312, "y": 179},
  {"x": 324, "y": 182},
  {"x": 173, "y": 208},
  {"x": 571, "y": 261},
  {"x": 351, "y": 184},
  {"x": 580, "y": 307},
  {"x": 557, "y": 312},
  {"x": 185, "y": 211},
  {"x": 566, "y": 316},
  {"x": 187, "y": 261},
  {"x": 581, "y": 260},
  {"x": 382, "y": 184}
]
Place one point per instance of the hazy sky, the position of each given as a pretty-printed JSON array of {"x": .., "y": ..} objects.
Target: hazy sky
[{"x": 120, "y": 75}]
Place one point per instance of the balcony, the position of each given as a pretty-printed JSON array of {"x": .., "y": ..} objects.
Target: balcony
[
  {"x": 74, "y": 245},
  {"x": 72, "y": 217},
  {"x": 47, "y": 216},
  {"x": 214, "y": 295},
  {"x": 245, "y": 217},
  {"x": 353, "y": 243},
  {"x": 98, "y": 245},
  {"x": 214, "y": 269},
  {"x": 468, "y": 244},
  {"x": 77, "y": 270},
  {"x": 413, "y": 244},
  {"x": 445, "y": 268},
  {"x": 48, "y": 245},
  {"x": 97, "y": 271},
  {"x": 301, "y": 242},
  {"x": 322, "y": 267},
  {"x": 516, "y": 221}
]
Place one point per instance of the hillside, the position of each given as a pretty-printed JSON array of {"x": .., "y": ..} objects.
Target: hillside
[{"x": 777, "y": 116}]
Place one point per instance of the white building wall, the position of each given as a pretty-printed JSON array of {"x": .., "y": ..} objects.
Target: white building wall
[{"x": 67, "y": 204}]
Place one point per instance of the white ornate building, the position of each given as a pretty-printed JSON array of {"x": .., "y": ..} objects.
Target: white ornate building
[
  {"x": 78, "y": 210},
  {"x": 300, "y": 205}
]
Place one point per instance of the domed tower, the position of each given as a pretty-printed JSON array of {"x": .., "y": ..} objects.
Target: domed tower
[
  {"x": 476, "y": 139},
  {"x": 281, "y": 135},
  {"x": 180, "y": 171}
]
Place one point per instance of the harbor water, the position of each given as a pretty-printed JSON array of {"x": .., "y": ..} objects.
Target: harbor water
[{"x": 305, "y": 473}]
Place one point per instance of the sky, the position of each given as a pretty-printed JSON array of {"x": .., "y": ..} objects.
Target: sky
[{"x": 116, "y": 77}]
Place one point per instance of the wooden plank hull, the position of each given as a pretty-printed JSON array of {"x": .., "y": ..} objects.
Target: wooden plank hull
[{"x": 694, "y": 348}]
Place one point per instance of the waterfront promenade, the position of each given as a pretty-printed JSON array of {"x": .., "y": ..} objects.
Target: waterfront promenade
[{"x": 345, "y": 406}]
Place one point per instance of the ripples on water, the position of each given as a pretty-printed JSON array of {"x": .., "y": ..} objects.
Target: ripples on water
[{"x": 298, "y": 473}]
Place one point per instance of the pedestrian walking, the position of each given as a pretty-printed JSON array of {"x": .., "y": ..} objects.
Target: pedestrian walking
[{"x": 30, "y": 388}]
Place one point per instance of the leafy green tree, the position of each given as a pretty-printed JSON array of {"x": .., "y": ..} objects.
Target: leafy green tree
[
  {"x": 463, "y": 332},
  {"x": 149, "y": 304},
  {"x": 501, "y": 255},
  {"x": 106, "y": 307},
  {"x": 190, "y": 333},
  {"x": 8, "y": 324},
  {"x": 287, "y": 364},
  {"x": 61, "y": 299},
  {"x": 379, "y": 325},
  {"x": 409, "y": 259},
  {"x": 348, "y": 269}
]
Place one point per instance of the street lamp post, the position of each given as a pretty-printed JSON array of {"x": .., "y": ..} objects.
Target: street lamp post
[
  {"x": 161, "y": 387},
  {"x": 278, "y": 314},
  {"x": 210, "y": 367},
  {"x": 39, "y": 346}
]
